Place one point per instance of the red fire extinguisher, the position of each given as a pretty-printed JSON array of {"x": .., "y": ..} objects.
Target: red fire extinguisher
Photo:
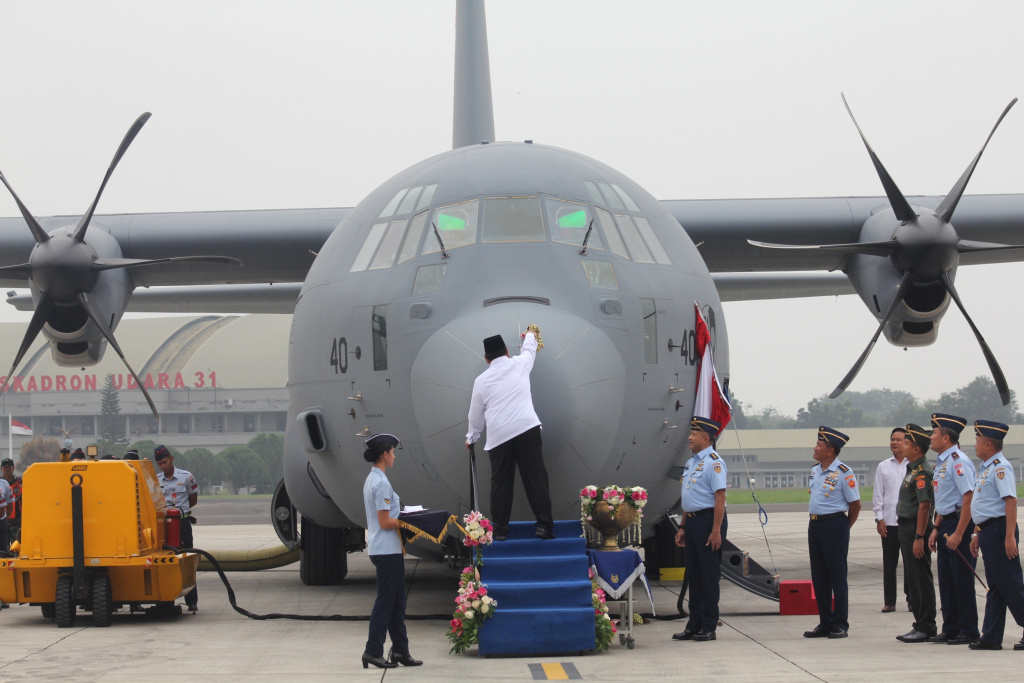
[{"x": 172, "y": 528}]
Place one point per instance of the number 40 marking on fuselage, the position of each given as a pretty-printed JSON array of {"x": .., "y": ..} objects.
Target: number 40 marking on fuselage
[
  {"x": 687, "y": 346},
  {"x": 339, "y": 355}
]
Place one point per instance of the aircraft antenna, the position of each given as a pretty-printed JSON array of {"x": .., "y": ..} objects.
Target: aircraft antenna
[
  {"x": 444, "y": 254},
  {"x": 586, "y": 238}
]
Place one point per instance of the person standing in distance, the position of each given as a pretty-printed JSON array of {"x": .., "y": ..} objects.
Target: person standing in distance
[
  {"x": 888, "y": 477},
  {"x": 503, "y": 404},
  {"x": 834, "y": 507},
  {"x": 914, "y": 517},
  {"x": 994, "y": 509},
  {"x": 182, "y": 492},
  {"x": 384, "y": 546},
  {"x": 954, "y": 489},
  {"x": 702, "y": 528}
]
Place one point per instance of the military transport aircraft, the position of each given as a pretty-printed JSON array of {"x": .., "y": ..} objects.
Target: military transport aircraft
[{"x": 392, "y": 297}]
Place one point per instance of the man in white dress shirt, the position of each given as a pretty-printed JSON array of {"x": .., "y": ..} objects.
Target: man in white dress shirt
[
  {"x": 888, "y": 478},
  {"x": 502, "y": 402}
]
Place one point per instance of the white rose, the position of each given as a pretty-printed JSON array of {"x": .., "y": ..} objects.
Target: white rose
[
  {"x": 470, "y": 614},
  {"x": 485, "y": 608},
  {"x": 476, "y": 604}
]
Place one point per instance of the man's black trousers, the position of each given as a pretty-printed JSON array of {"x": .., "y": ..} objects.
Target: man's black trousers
[{"x": 525, "y": 452}]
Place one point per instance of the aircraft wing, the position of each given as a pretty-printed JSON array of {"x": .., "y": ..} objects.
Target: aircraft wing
[
  {"x": 725, "y": 225},
  {"x": 273, "y": 245}
]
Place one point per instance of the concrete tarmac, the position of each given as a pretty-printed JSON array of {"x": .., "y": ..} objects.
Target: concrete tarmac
[{"x": 754, "y": 642}]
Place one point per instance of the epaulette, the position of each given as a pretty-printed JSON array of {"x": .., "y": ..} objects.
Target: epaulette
[
  {"x": 843, "y": 468},
  {"x": 714, "y": 456},
  {"x": 995, "y": 462},
  {"x": 956, "y": 455}
]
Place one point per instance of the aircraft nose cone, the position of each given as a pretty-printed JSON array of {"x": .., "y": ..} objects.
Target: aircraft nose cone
[{"x": 577, "y": 382}]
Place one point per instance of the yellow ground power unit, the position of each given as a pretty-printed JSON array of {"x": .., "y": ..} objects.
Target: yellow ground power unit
[{"x": 92, "y": 537}]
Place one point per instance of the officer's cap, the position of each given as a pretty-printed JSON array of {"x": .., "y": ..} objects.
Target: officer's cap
[
  {"x": 378, "y": 444},
  {"x": 953, "y": 422},
  {"x": 921, "y": 436},
  {"x": 5, "y": 462},
  {"x": 131, "y": 455},
  {"x": 832, "y": 436},
  {"x": 161, "y": 452},
  {"x": 494, "y": 344},
  {"x": 78, "y": 454},
  {"x": 705, "y": 424},
  {"x": 990, "y": 429}
]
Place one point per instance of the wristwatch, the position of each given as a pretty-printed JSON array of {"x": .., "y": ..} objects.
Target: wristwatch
[{"x": 918, "y": 537}]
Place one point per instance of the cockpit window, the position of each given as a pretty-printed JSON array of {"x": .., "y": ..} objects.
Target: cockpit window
[
  {"x": 455, "y": 223},
  {"x": 389, "y": 245},
  {"x": 612, "y": 234},
  {"x": 626, "y": 199},
  {"x": 600, "y": 274},
  {"x": 412, "y": 240},
  {"x": 570, "y": 221},
  {"x": 634, "y": 242},
  {"x": 595, "y": 194},
  {"x": 637, "y": 233},
  {"x": 389, "y": 208},
  {"x": 647, "y": 232},
  {"x": 512, "y": 219},
  {"x": 611, "y": 197},
  {"x": 363, "y": 257},
  {"x": 408, "y": 199},
  {"x": 428, "y": 194}
]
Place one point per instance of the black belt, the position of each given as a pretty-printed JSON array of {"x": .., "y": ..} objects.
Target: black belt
[
  {"x": 955, "y": 514},
  {"x": 993, "y": 520},
  {"x": 818, "y": 518},
  {"x": 698, "y": 513}
]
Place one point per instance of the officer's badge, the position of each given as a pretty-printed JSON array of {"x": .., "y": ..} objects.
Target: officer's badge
[
  {"x": 718, "y": 469},
  {"x": 920, "y": 483},
  {"x": 851, "y": 482},
  {"x": 959, "y": 469},
  {"x": 1000, "y": 474}
]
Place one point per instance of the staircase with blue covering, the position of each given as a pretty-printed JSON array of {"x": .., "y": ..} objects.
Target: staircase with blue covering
[{"x": 543, "y": 592}]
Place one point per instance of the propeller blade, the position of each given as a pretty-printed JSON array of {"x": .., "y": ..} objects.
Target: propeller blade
[
  {"x": 887, "y": 248},
  {"x": 948, "y": 205},
  {"x": 993, "y": 365},
  {"x": 23, "y": 270},
  {"x": 39, "y": 317},
  {"x": 908, "y": 277},
  {"x": 897, "y": 201},
  {"x": 83, "y": 224},
  {"x": 96, "y": 315},
  {"x": 971, "y": 246},
  {"x": 33, "y": 224},
  {"x": 111, "y": 263}
]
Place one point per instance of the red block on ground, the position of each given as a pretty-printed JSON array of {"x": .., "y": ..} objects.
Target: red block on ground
[{"x": 797, "y": 597}]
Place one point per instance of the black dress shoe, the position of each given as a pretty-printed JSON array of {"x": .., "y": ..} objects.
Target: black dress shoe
[
  {"x": 404, "y": 660},
  {"x": 940, "y": 638},
  {"x": 702, "y": 636},
  {"x": 1020, "y": 645},
  {"x": 378, "y": 662},
  {"x": 838, "y": 633},
  {"x": 685, "y": 635},
  {"x": 982, "y": 645},
  {"x": 818, "y": 631},
  {"x": 889, "y": 608},
  {"x": 916, "y": 636},
  {"x": 543, "y": 533},
  {"x": 961, "y": 640}
]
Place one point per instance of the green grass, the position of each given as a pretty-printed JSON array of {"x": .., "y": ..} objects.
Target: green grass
[
  {"x": 232, "y": 496},
  {"x": 766, "y": 496}
]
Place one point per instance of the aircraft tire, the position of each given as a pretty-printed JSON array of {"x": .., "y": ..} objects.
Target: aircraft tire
[
  {"x": 64, "y": 605},
  {"x": 322, "y": 559}
]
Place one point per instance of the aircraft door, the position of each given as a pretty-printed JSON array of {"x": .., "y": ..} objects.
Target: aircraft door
[{"x": 369, "y": 394}]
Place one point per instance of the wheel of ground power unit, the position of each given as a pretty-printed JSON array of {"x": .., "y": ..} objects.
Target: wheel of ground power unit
[
  {"x": 322, "y": 560},
  {"x": 48, "y": 610},
  {"x": 102, "y": 605},
  {"x": 64, "y": 605}
]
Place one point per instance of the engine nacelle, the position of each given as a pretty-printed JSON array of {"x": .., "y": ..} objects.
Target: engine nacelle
[{"x": 915, "y": 321}]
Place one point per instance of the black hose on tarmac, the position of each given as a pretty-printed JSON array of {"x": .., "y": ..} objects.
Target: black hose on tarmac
[{"x": 301, "y": 617}]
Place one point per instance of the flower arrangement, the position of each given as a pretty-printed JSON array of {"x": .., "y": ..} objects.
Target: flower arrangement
[
  {"x": 479, "y": 532},
  {"x": 604, "y": 627},
  {"x": 473, "y": 606},
  {"x": 615, "y": 496}
]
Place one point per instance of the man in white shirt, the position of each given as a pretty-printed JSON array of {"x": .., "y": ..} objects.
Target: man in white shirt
[
  {"x": 502, "y": 402},
  {"x": 888, "y": 478},
  {"x": 180, "y": 491}
]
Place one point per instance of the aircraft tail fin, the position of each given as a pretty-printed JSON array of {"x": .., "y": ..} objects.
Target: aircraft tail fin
[{"x": 473, "y": 120}]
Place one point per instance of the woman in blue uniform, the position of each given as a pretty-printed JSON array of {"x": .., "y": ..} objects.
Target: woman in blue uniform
[{"x": 385, "y": 549}]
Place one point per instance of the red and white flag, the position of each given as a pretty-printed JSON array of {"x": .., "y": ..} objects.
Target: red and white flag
[
  {"x": 710, "y": 401},
  {"x": 20, "y": 429}
]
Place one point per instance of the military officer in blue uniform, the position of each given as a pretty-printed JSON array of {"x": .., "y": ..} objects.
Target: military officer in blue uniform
[
  {"x": 954, "y": 489},
  {"x": 994, "y": 509},
  {"x": 914, "y": 524},
  {"x": 834, "y": 506},
  {"x": 702, "y": 529}
]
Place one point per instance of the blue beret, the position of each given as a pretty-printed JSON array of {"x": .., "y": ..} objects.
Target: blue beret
[
  {"x": 953, "y": 422},
  {"x": 990, "y": 429},
  {"x": 705, "y": 424},
  {"x": 832, "y": 436}
]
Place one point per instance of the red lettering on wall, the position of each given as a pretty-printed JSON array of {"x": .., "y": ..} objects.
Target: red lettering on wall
[
  {"x": 46, "y": 383},
  {"x": 90, "y": 382},
  {"x": 149, "y": 381},
  {"x": 31, "y": 384},
  {"x": 16, "y": 384},
  {"x": 179, "y": 382},
  {"x": 62, "y": 383},
  {"x": 76, "y": 383},
  {"x": 163, "y": 381},
  {"x": 118, "y": 381},
  {"x": 131, "y": 382}
]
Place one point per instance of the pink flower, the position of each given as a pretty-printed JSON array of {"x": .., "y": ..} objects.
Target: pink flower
[{"x": 482, "y": 592}]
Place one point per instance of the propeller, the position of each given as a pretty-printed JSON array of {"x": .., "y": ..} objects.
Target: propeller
[
  {"x": 924, "y": 248},
  {"x": 64, "y": 269}
]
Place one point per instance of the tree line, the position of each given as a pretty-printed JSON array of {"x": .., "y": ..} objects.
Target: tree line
[{"x": 885, "y": 408}]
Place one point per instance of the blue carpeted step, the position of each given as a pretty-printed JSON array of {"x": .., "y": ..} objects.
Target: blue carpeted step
[
  {"x": 563, "y": 529},
  {"x": 534, "y": 631},
  {"x": 534, "y": 568},
  {"x": 531, "y": 594},
  {"x": 535, "y": 547}
]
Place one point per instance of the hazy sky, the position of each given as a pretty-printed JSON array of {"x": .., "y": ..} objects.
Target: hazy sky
[{"x": 312, "y": 104}]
